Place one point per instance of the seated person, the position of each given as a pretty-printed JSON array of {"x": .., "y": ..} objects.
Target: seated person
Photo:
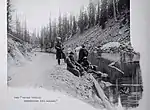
[
  {"x": 92, "y": 69},
  {"x": 73, "y": 66},
  {"x": 83, "y": 52},
  {"x": 87, "y": 65}
]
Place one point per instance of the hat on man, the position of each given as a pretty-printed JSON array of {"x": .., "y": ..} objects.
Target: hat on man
[{"x": 83, "y": 45}]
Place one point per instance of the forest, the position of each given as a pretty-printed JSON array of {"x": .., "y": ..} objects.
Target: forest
[{"x": 66, "y": 26}]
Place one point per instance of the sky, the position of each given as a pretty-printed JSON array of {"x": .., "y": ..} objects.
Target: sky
[{"x": 37, "y": 12}]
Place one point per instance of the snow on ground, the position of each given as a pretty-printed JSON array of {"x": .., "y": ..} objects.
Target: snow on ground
[
  {"x": 43, "y": 72},
  {"x": 30, "y": 73},
  {"x": 110, "y": 44},
  {"x": 44, "y": 75},
  {"x": 62, "y": 80},
  {"x": 18, "y": 54},
  {"x": 61, "y": 101}
]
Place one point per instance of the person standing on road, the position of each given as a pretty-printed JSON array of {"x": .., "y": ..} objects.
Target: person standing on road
[
  {"x": 58, "y": 48},
  {"x": 87, "y": 64}
]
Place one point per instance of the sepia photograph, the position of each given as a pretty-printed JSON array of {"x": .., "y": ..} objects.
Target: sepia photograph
[{"x": 80, "y": 48}]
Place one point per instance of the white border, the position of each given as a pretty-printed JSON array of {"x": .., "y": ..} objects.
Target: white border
[{"x": 140, "y": 41}]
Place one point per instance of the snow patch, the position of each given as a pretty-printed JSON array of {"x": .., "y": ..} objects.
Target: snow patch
[
  {"x": 17, "y": 55},
  {"x": 110, "y": 44},
  {"x": 63, "y": 102}
]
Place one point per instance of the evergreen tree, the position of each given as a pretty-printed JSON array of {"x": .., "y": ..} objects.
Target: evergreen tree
[
  {"x": 123, "y": 4},
  {"x": 9, "y": 16},
  {"x": 18, "y": 28},
  {"x": 64, "y": 28},
  {"x": 81, "y": 21},
  {"x": 103, "y": 17},
  {"x": 60, "y": 26},
  {"x": 25, "y": 32},
  {"x": 42, "y": 38},
  {"x": 110, "y": 10},
  {"x": 91, "y": 10},
  {"x": 69, "y": 32},
  {"x": 33, "y": 37},
  {"x": 85, "y": 20},
  {"x": 50, "y": 31},
  {"x": 54, "y": 34},
  {"x": 114, "y": 6},
  {"x": 71, "y": 25},
  {"x": 28, "y": 38},
  {"x": 98, "y": 13},
  {"x": 74, "y": 29}
]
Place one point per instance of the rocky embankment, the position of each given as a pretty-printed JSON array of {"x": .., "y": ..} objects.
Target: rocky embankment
[{"x": 80, "y": 88}]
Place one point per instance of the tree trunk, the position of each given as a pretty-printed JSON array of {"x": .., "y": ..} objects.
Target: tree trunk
[{"x": 114, "y": 10}]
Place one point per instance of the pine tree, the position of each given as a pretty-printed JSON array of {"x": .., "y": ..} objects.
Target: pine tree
[
  {"x": 33, "y": 37},
  {"x": 123, "y": 4},
  {"x": 25, "y": 32},
  {"x": 74, "y": 29},
  {"x": 54, "y": 34},
  {"x": 91, "y": 10},
  {"x": 98, "y": 13},
  {"x": 69, "y": 32},
  {"x": 115, "y": 16},
  {"x": 103, "y": 17},
  {"x": 18, "y": 28},
  {"x": 81, "y": 21},
  {"x": 50, "y": 32},
  {"x": 9, "y": 16},
  {"x": 43, "y": 38},
  {"x": 64, "y": 28},
  {"x": 71, "y": 25},
  {"x": 38, "y": 39},
  {"x": 110, "y": 10},
  {"x": 85, "y": 20},
  {"x": 117, "y": 11},
  {"x": 28, "y": 37},
  {"x": 60, "y": 26}
]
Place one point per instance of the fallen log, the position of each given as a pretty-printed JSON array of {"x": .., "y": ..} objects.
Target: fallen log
[{"x": 102, "y": 95}]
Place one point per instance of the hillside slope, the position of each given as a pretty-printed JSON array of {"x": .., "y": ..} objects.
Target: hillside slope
[
  {"x": 95, "y": 36},
  {"x": 17, "y": 54}
]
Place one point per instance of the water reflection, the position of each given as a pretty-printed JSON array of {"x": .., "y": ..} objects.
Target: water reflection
[
  {"x": 129, "y": 96},
  {"x": 128, "y": 87}
]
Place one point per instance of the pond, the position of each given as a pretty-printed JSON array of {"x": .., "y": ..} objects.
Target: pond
[
  {"x": 129, "y": 95},
  {"x": 128, "y": 86}
]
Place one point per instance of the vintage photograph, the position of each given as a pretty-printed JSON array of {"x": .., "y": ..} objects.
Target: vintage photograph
[{"x": 81, "y": 48}]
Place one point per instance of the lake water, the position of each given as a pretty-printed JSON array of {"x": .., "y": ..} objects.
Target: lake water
[{"x": 130, "y": 87}]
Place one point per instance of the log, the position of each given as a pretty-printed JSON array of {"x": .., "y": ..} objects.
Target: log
[{"x": 102, "y": 95}]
